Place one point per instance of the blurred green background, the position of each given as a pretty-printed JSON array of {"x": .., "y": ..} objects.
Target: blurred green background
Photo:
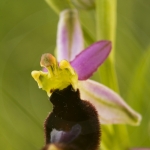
[{"x": 27, "y": 30}]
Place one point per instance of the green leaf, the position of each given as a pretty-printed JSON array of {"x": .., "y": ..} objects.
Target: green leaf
[
  {"x": 138, "y": 97},
  {"x": 106, "y": 15}
]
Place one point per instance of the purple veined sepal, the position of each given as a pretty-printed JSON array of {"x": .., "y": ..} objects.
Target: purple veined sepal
[
  {"x": 88, "y": 61},
  {"x": 69, "y": 35},
  {"x": 112, "y": 109}
]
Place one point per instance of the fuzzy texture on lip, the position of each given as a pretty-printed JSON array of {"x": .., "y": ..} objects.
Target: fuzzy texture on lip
[{"x": 75, "y": 118}]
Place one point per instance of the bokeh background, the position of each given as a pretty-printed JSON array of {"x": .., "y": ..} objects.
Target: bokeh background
[{"x": 27, "y": 30}]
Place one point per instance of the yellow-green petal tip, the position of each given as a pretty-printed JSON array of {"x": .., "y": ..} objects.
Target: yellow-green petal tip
[{"x": 58, "y": 76}]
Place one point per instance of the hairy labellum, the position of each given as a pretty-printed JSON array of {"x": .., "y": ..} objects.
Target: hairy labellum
[{"x": 73, "y": 124}]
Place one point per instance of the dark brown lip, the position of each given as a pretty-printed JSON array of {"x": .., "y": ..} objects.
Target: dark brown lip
[{"x": 70, "y": 111}]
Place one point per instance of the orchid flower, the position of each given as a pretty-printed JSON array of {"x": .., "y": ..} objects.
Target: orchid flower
[{"x": 111, "y": 108}]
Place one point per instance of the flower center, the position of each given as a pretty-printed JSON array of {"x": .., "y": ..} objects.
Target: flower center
[{"x": 55, "y": 76}]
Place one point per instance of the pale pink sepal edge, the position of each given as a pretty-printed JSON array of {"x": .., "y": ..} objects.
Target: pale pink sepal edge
[{"x": 111, "y": 108}]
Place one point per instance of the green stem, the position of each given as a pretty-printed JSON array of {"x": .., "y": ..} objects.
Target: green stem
[
  {"x": 106, "y": 30},
  {"x": 59, "y": 5},
  {"x": 106, "y": 21},
  {"x": 106, "y": 17}
]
